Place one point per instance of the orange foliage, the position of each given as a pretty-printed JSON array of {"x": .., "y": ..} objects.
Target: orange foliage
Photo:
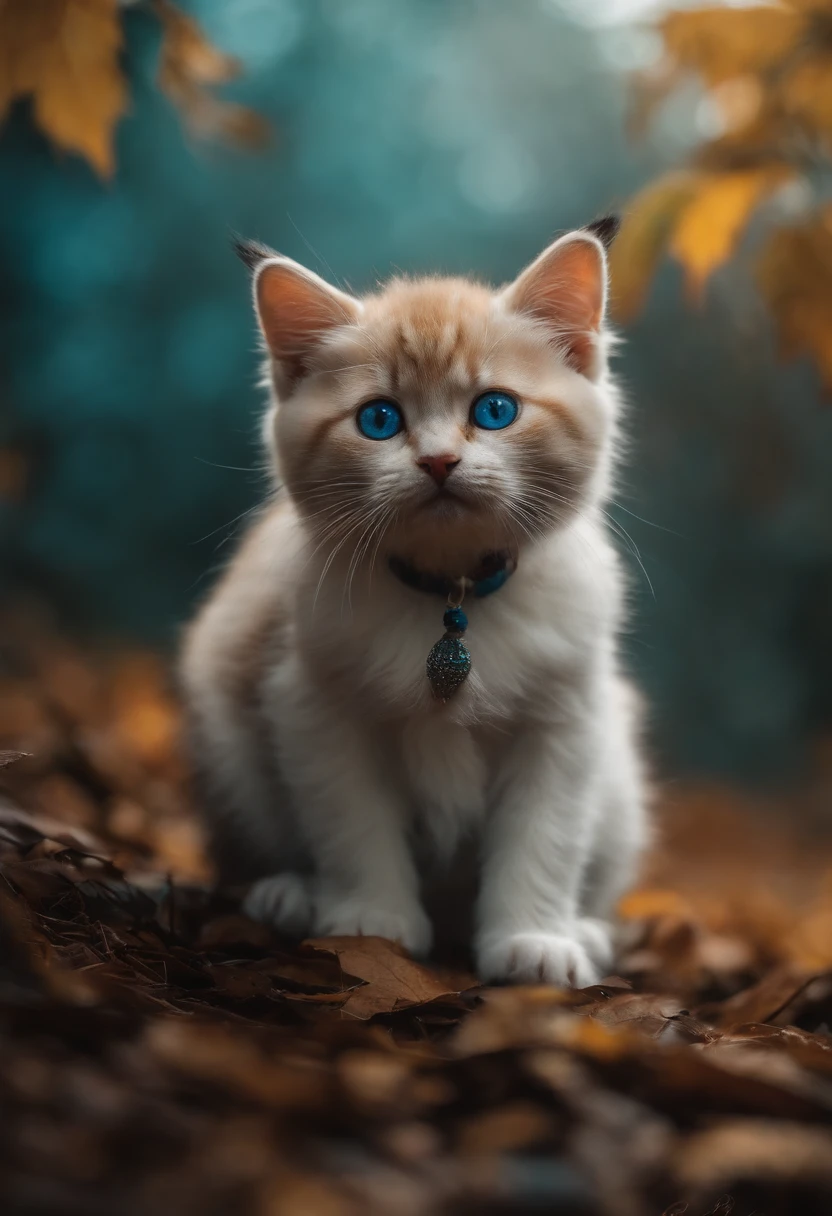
[
  {"x": 733, "y": 885},
  {"x": 66, "y": 56},
  {"x": 190, "y": 66},
  {"x": 767, "y": 72},
  {"x": 182, "y": 1058}
]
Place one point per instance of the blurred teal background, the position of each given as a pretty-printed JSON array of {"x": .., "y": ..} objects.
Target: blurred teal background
[{"x": 455, "y": 135}]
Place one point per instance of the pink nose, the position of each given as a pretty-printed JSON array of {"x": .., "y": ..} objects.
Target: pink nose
[{"x": 438, "y": 467}]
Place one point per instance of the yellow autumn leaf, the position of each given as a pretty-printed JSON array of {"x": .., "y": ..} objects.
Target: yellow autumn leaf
[
  {"x": 65, "y": 55},
  {"x": 189, "y": 65},
  {"x": 644, "y": 233},
  {"x": 710, "y": 226},
  {"x": 721, "y": 43},
  {"x": 767, "y": 71}
]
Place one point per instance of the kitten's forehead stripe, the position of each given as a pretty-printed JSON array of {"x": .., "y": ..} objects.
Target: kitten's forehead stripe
[{"x": 439, "y": 337}]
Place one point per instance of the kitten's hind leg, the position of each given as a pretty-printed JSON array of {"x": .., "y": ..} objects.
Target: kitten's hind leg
[
  {"x": 244, "y": 805},
  {"x": 283, "y": 901}
]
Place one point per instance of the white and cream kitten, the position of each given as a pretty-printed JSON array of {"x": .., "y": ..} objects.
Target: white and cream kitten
[{"x": 327, "y": 767}]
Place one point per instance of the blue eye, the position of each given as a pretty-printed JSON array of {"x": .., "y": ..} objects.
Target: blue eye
[
  {"x": 493, "y": 411},
  {"x": 380, "y": 420}
]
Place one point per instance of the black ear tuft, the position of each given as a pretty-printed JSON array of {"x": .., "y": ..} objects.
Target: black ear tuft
[
  {"x": 605, "y": 228},
  {"x": 252, "y": 253}
]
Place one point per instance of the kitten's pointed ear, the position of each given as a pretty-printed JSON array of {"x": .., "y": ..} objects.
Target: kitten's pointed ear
[
  {"x": 296, "y": 308},
  {"x": 566, "y": 289}
]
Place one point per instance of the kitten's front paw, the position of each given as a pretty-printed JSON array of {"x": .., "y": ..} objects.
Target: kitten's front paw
[
  {"x": 596, "y": 937},
  {"x": 350, "y": 918},
  {"x": 282, "y": 901},
  {"x": 536, "y": 958}
]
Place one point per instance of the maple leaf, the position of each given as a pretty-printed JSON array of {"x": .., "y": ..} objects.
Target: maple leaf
[
  {"x": 189, "y": 68},
  {"x": 767, "y": 71},
  {"x": 710, "y": 225},
  {"x": 644, "y": 233},
  {"x": 64, "y": 54}
]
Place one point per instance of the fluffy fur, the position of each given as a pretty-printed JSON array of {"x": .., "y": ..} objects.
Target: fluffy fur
[{"x": 326, "y": 767}]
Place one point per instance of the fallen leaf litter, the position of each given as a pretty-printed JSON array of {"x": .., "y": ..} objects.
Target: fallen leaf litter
[{"x": 161, "y": 1053}]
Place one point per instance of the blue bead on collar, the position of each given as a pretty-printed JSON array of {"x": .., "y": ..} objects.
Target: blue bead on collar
[{"x": 449, "y": 661}]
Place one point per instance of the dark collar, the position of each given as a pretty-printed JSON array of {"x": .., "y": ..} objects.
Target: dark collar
[{"x": 493, "y": 571}]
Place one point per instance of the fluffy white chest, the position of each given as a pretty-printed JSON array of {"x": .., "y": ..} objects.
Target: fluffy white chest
[
  {"x": 519, "y": 639},
  {"x": 526, "y": 642},
  {"x": 445, "y": 773}
]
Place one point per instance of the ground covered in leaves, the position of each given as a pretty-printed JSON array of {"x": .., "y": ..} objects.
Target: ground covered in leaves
[{"x": 159, "y": 1053}]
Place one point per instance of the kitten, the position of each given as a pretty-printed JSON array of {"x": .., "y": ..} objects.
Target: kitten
[{"x": 423, "y": 435}]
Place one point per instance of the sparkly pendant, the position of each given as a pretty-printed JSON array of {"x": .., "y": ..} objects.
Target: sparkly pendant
[{"x": 449, "y": 661}]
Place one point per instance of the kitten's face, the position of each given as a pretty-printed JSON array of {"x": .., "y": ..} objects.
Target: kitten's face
[{"x": 442, "y": 421}]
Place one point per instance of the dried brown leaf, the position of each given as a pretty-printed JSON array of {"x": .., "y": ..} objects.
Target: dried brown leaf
[
  {"x": 195, "y": 1062},
  {"x": 762, "y": 1001},
  {"x": 718, "y": 1078},
  {"x": 661, "y": 1017},
  {"x": 392, "y": 980},
  {"x": 711, "y": 223}
]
